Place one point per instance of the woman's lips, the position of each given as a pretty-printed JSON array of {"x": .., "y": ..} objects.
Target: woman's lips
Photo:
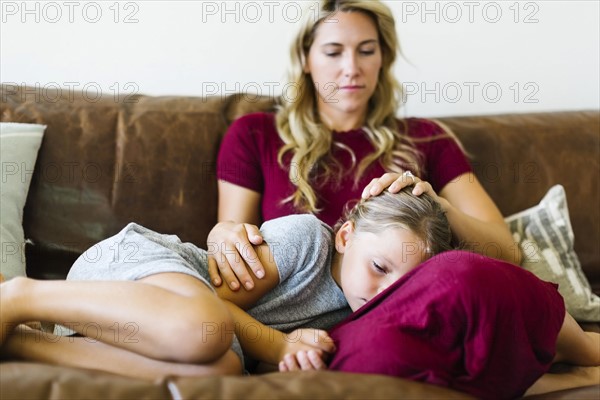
[{"x": 352, "y": 88}]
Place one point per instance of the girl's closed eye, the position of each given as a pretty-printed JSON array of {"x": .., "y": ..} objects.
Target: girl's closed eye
[{"x": 378, "y": 268}]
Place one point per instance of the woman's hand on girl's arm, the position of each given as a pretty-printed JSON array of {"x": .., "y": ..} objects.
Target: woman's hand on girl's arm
[
  {"x": 245, "y": 299},
  {"x": 231, "y": 254}
]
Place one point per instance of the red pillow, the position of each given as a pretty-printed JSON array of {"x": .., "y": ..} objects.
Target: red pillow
[{"x": 460, "y": 320}]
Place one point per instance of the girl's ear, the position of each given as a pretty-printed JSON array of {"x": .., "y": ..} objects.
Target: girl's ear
[{"x": 343, "y": 235}]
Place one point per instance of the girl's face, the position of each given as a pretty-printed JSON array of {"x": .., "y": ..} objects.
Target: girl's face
[
  {"x": 344, "y": 62},
  {"x": 369, "y": 262}
]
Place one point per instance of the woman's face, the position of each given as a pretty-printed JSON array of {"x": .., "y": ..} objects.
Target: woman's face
[
  {"x": 371, "y": 262},
  {"x": 344, "y": 63}
]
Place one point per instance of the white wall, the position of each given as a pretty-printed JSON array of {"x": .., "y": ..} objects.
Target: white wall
[{"x": 465, "y": 57}]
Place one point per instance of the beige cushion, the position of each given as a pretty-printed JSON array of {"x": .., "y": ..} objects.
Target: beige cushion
[{"x": 19, "y": 145}]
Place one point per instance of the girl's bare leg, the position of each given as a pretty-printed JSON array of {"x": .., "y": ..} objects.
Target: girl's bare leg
[
  {"x": 32, "y": 345},
  {"x": 577, "y": 347},
  {"x": 170, "y": 316},
  {"x": 574, "y": 377}
]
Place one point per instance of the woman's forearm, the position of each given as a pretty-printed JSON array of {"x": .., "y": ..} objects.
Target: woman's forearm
[{"x": 492, "y": 239}]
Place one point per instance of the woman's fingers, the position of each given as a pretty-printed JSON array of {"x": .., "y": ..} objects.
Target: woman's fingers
[
  {"x": 213, "y": 272},
  {"x": 237, "y": 255},
  {"x": 221, "y": 271},
  {"x": 366, "y": 193},
  {"x": 423, "y": 187},
  {"x": 392, "y": 181},
  {"x": 250, "y": 256},
  {"x": 377, "y": 185},
  {"x": 253, "y": 233},
  {"x": 232, "y": 255},
  {"x": 403, "y": 180},
  {"x": 226, "y": 272}
]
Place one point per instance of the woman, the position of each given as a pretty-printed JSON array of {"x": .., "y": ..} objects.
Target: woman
[{"x": 338, "y": 139}]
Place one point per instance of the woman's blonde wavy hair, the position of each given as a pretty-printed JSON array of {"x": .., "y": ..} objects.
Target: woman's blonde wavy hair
[{"x": 310, "y": 142}]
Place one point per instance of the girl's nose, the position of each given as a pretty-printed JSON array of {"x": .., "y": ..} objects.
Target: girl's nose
[{"x": 386, "y": 283}]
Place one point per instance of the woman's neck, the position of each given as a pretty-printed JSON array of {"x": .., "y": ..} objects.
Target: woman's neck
[{"x": 342, "y": 122}]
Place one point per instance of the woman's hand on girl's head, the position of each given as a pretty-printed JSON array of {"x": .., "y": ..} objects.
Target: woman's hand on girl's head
[
  {"x": 394, "y": 182},
  {"x": 231, "y": 254}
]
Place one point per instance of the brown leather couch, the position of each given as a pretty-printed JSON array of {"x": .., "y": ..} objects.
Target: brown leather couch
[{"x": 104, "y": 163}]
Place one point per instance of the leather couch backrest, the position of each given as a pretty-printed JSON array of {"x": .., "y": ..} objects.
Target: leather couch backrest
[
  {"x": 518, "y": 157},
  {"x": 104, "y": 163}
]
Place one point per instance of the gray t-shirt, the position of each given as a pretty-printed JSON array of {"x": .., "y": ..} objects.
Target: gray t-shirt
[
  {"x": 307, "y": 295},
  {"x": 302, "y": 245}
]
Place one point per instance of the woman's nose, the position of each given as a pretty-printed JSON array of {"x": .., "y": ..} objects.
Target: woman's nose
[{"x": 350, "y": 65}]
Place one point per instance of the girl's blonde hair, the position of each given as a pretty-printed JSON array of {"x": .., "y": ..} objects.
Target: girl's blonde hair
[
  {"x": 310, "y": 142},
  {"x": 421, "y": 215}
]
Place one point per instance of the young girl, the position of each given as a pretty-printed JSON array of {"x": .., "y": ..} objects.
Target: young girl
[
  {"x": 447, "y": 317},
  {"x": 144, "y": 308}
]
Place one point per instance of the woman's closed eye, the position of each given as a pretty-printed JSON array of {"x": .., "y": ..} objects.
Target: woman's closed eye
[{"x": 365, "y": 52}]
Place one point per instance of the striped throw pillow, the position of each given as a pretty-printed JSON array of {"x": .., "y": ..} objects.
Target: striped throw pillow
[{"x": 546, "y": 239}]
